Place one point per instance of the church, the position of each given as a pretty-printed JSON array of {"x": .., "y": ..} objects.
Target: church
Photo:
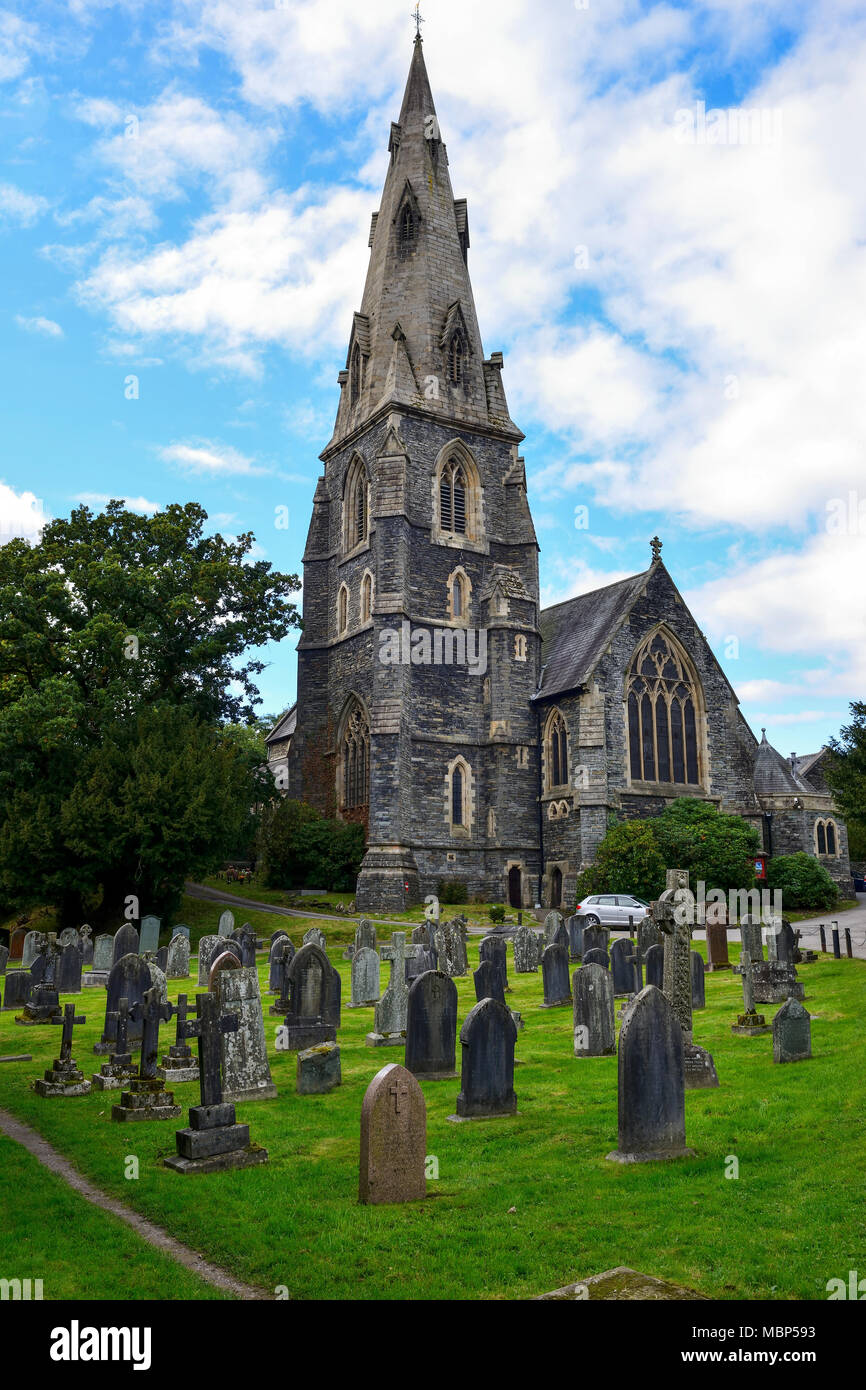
[{"x": 480, "y": 739}]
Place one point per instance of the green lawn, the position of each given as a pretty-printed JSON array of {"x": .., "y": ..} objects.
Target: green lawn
[{"x": 794, "y": 1218}]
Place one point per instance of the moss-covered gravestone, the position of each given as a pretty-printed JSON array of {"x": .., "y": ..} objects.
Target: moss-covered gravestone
[
  {"x": 146, "y": 1098},
  {"x": 594, "y": 1024},
  {"x": 64, "y": 1078},
  {"x": 792, "y": 1033}
]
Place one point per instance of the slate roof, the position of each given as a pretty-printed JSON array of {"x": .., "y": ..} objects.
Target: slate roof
[
  {"x": 575, "y": 633},
  {"x": 774, "y": 775},
  {"x": 284, "y": 727}
]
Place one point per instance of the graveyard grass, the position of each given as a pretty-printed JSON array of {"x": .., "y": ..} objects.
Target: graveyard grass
[{"x": 521, "y": 1206}]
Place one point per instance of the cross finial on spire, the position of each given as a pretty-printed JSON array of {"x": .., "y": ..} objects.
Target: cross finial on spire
[
  {"x": 656, "y": 547},
  {"x": 416, "y": 15}
]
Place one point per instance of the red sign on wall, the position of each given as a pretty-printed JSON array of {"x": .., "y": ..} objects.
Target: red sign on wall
[{"x": 760, "y": 868}]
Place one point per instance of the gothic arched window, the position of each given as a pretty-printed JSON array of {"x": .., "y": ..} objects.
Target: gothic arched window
[
  {"x": 406, "y": 232},
  {"x": 831, "y": 837},
  {"x": 355, "y": 506},
  {"x": 366, "y": 598},
  {"x": 457, "y": 796},
  {"x": 662, "y": 702},
  {"x": 452, "y": 497},
  {"x": 822, "y": 837},
  {"x": 355, "y": 759},
  {"x": 556, "y": 752},
  {"x": 342, "y": 609},
  {"x": 459, "y": 803}
]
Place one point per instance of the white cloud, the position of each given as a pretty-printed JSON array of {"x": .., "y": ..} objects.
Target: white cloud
[
  {"x": 18, "y": 40},
  {"x": 132, "y": 504},
  {"x": 21, "y": 514},
  {"x": 47, "y": 327},
  {"x": 202, "y": 456},
  {"x": 18, "y": 208}
]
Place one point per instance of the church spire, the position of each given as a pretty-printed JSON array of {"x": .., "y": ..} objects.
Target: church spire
[{"x": 416, "y": 340}]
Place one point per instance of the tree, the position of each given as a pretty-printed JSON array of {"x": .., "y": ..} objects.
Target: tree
[
  {"x": 122, "y": 654},
  {"x": 717, "y": 849},
  {"x": 802, "y": 881},
  {"x": 628, "y": 861},
  {"x": 846, "y": 775},
  {"x": 300, "y": 848}
]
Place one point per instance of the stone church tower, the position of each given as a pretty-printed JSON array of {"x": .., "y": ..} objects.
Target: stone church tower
[
  {"x": 421, "y": 646},
  {"x": 477, "y": 739}
]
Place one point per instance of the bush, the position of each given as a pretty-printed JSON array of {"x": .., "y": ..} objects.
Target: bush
[
  {"x": 803, "y": 882},
  {"x": 452, "y": 890},
  {"x": 300, "y": 848},
  {"x": 628, "y": 861},
  {"x": 497, "y": 913},
  {"x": 715, "y": 848}
]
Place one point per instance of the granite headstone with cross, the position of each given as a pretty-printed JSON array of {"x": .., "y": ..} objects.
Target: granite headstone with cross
[
  {"x": 389, "y": 1029},
  {"x": 431, "y": 1026},
  {"x": 487, "y": 1041},
  {"x": 120, "y": 1068},
  {"x": 308, "y": 1001},
  {"x": 146, "y": 1098},
  {"x": 674, "y": 913},
  {"x": 179, "y": 1064},
  {"x": 393, "y": 1139},
  {"x": 213, "y": 1141}
]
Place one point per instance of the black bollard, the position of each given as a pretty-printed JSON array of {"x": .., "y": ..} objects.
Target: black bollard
[
  {"x": 823, "y": 938},
  {"x": 848, "y": 942},
  {"x": 836, "y": 951}
]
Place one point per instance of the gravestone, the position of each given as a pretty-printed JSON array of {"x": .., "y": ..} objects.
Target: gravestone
[
  {"x": 19, "y": 983},
  {"x": 161, "y": 958},
  {"x": 450, "y": 945},
  {"x": 365, "y": 934},
  {"x": 574, "y": 927},
  {"x": 67, "y": 977},
  {"x": 16, "y": 943},
  {"x": 177, "y": 958},
  {"x": 416, "y": 965},
  {"x": 226, "y": 960},
  {"x": 119, "y": 1068},
  {"x": 180, "y": 930},
  {"x": 525, "y": 951},
  {"x": 774, "y": 981},
  {"x": 487, "y": 1041},
  {"x": 276, "y": 935},
  {"x": 42, "y": 1005},
  {"x": 390, "y": 1018},
  {"x": 699, "y": 997},
  {"x": 431, "y": 1026},
  {"x": 68, "y": 937},
  {"x": 64, "y": 1078},
  {"x": 673, "y": 913},
  {"x": 366, "y": 990},
  {"x": 208, "y": 949},
  {"x": 792, "y": 1033},
  {"x": 717, "y": 946},
  {"x": 749, "y": 1024},
  {"x": 495, "y": 948},
  {"x": 554, "y": 972},
  {"x": 4, "y": 959},
  {"x": 596, "y": 956},
  {"x": 594, "y": 1024},
  {"x": 648, "y": 935},
  {"x": 651, "y": 1083},
  {"x": 552, "y": 923},
  {"x": 213, "y": 1141},
  {"x": 655, "y": 965},
  {"x": 33, "y": 942},
  {"x": 595, "y": 938},
  {"x": 103, "y": 954},
  {"x": 149, "y": 934},
  {"x": 146, "y": 1097},
  {"x": 488, "y": 981},
  {"x": 245, "y": 937},
  {"x": 85, "y": 945},
  {"x": 318, "y": 1070},
  {"x": 125, "y": 943},
  {"x": 178, "y": 1064},
  {"x": 281, "y": 954},
  {"x": 750, "y": 935},
  {"x": 317, "y": 937},
  {"x": 622, "y": 966},
  {"x": 226, "y": 924},
  {"x": 246, "y": 1071},
  {"x": 308, "y": 1002},
  {"x": 785, "y": 943},
  {"x": 393, "y": 1139},
  {"x": 129, "y": 979}
]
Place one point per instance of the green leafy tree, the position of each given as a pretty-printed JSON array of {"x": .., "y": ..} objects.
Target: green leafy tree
[
  {"x": 803, "y": 882},
  {"x": 846, "y": 777},
  {"x": 300, "y": 848},
  {"x": 715, "y": 848},
  {"x": 628, "y": 861},
  {"x": 123, "y": 652}
]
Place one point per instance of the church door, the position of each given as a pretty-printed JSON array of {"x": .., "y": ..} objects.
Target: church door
[{"x": 514, "y": 886}]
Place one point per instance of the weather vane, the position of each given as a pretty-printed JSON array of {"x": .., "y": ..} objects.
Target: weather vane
[
  {"x": 416, "y": 15},
  {"x": 656, "y": 547}
]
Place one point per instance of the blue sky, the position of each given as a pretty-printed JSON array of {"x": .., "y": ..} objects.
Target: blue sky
[{"x": 667, "y": 214}]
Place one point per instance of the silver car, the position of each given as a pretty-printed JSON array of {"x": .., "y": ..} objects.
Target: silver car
[{"x": 612, "y": 909}]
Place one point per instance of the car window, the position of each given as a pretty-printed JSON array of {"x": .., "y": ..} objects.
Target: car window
[{"x": 608, "y": 901}]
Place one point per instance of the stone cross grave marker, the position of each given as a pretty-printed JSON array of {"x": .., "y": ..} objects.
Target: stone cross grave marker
[
  {"x": 119, "y": 1068},
  {"x": 64, "y": 1078},
  {"x": 147, "y": 1098},
  {"x": 390, "y": 1017},
  {"x": 178, "y": 1064},
  {"x": 749, "y": 1024}
]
